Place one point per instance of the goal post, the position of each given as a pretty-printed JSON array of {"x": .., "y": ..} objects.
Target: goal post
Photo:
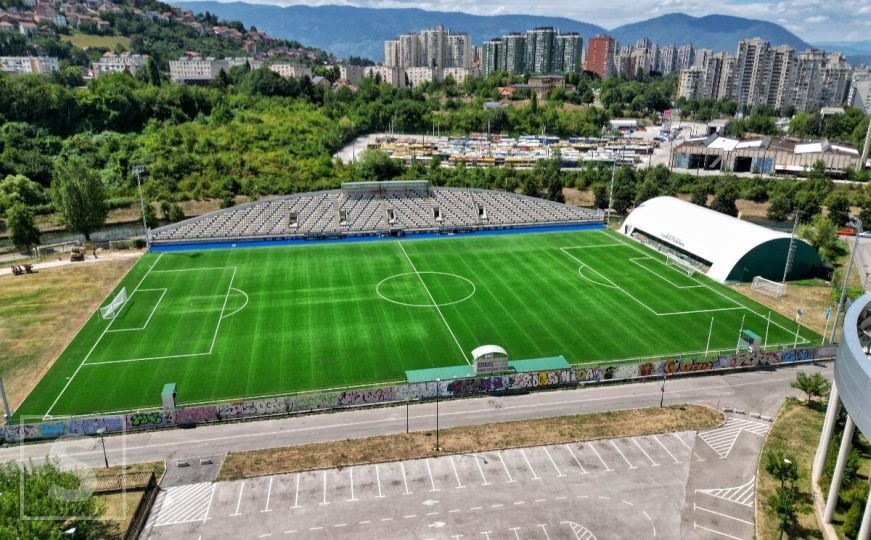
[
  {"x": 681, "y": 263},
  {"x": 766, "y": 286},
  {"x": 111, "y": 311}
]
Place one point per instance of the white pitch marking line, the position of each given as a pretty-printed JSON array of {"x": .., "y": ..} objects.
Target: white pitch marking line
[
  {"x": 378, "y": 478},
  {"x": 569, "y": 448},
  {"x": 144, "y": 326},
  {"x": 325, "y": 490},
  {"x": 528, "y": 464},
  {"x": 698, "y": 458},
  {"x": 434, "y": 303},
  {"x": 720, "y": 533},
  {"x": 481, "y": 470},
  {"x": 708, "y": 510},
  {"x": 296, "y": 496},
  {"x": 655, "y": 438},
  {"x": 631, "y": 466},
  {"x": 384, "y": 520},
  {"x": 239, "y": 308},
  {"x": 94, "y": 346},
  {"x": 239, "y": 500},
  {"x": 191, "y": 269},
  {"x": 351, "y": 475},
  {"x": 226, "y": 298},
  {"x": 559, "y": 473},
  {"x": 652, "y": 463},
  {"x": 404, "y": 479},
  {"x": 593, "y": 448},
  {"x": 544, "y": 530},
  {"x": 456, "y": 474},
  {"x": 429, "y": 470},
  {"x": 209, "y": 507},
  {"x": 510, "y": 480},
  {"x": 268, "y": 495}
]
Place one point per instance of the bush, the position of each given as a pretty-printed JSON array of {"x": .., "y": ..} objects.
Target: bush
[
  {"x": 121, "y": 202},
  {"x": 853, "y": 519}
]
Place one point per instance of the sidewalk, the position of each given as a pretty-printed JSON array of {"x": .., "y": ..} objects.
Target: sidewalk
[{"x": 63, "y": 260}]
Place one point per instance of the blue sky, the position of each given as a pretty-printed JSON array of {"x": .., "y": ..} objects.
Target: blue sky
[{"x": 811, "y": 20}]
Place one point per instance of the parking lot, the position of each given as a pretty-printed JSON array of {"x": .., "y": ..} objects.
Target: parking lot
[{"x": 675, "y": 485}]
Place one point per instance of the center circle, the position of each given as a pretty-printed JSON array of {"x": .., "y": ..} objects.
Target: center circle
[{"x": 425, "y": 289}]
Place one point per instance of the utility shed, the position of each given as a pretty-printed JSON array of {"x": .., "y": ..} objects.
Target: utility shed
[{"x": 727, "y": 248}]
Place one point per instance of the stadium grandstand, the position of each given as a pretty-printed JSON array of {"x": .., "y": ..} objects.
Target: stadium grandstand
[{"x": 393, "y": 208}]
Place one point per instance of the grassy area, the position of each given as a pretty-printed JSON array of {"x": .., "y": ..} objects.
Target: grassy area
[
  {"x": 84, "y": 41},
  {"x": 40, "y": 313},
  {"x": 118, "y": 510},
  {"x": 227, "y": 324},
  {"x": 795, "y": 433},
  {"x": 559, "y": 430}
]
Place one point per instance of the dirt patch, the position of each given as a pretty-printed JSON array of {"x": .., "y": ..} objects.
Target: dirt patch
[
  {"x": 40, "y": 313},
  {"x": 577, "y": 197},
  {"x": 812, "y": 298},
  {"x": 564, "y": 429},
  {"x": 118, "y": 511}
]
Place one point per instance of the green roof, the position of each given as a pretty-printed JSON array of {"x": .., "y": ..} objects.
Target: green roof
[
  {"x": 443, "y": 373},
  {"x": 539, "y": 364}
]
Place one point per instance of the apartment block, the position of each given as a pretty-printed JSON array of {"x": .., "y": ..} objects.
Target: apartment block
[
  {"x": 118, "y": 63},
  {"x": 25, "y": 65},
  {"x": 290, "y": 70},
  {"x": 600, "y": 55}
]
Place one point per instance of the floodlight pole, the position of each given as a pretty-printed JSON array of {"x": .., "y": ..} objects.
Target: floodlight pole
[
  {"x": 138, "y": 170},
  {"x": 438, "y": 391},
  {"x": 611, "y": 191},
  {"x": 101, "y": 432},
  {"x": 858, "y": 223},
  {"x": 866, "y": 149}
]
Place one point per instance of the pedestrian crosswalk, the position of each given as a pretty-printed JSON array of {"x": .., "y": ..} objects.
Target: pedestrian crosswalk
[
  {"x": 182, "y": 504},
  {"x": 722, "y": 439}
]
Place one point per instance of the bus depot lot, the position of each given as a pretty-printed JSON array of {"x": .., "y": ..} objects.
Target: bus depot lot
[{"x": 671, "y": 485}]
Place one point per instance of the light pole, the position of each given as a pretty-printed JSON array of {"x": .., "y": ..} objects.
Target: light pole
[
  {"x": 438, "y": 391},
  {"x": 611, "y": 190},
  {"x": 138, "y": 170},
  {"x": 101, "y": 432},
  {"x": 858, "y": 223}
]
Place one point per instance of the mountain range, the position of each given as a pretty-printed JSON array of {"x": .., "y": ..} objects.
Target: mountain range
[{"x": 348, "y": 30}]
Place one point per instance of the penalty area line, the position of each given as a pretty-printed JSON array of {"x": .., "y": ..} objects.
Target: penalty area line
[{"x": 97, "y": 342}]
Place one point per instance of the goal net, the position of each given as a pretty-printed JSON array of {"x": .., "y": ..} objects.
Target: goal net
[
  {"x": 110, "y": 311},
  {"x": 766, "y": 286},
  {"x": 682, "y": 264}
]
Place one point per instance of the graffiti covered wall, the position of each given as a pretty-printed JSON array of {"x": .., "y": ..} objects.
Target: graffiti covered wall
[{"x": 320, "y": 401}]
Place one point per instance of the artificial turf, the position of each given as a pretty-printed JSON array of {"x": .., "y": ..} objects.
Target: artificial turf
[{"x": 233, "y": 323}]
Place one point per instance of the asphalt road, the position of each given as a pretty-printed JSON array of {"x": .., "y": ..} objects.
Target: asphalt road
[{"x": 757, "y": 391}]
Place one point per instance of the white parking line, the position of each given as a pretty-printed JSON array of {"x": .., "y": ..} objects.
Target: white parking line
[
  {"x": 593, "y": 448},
  {"x": 655, "y": 438},
  {"x": 480, "y": 469},
  {"x": 708, "y": 510},
  {"x": 631, "y": 466},
  {"x": 569, "y": 448},
  {"x": 652, "y": 463},
  {"x": 528, "y": 464},
  {"x": 559, "y": 473},
  {"x": 720, "y": 533},
  {"x": 515, "y": 529},
  {"x": 209, "y": 507},
  {"x": 268, "y": 495},
  {"x": 429, "y": 470},
  {"x": 510, "y": 480},
  {"x": 544, "y": 530},
  {"x": 404, "y": 479},
  {"x": 683, "y": 442},
  {"x": 239, "y": 501},
  {"x": 378, "y": 479},
  {"x": 456, "y": 474},
  {"x": 296, "y": 497},
  {"x": 325, "y": 490}
]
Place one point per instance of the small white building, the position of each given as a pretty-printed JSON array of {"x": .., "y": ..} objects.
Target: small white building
[
  {"x": 290, "y": 70},
  {"x": 118, "y": 63}
]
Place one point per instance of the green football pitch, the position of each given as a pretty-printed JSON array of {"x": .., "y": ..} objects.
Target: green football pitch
[{"x": 232, "y": 323}]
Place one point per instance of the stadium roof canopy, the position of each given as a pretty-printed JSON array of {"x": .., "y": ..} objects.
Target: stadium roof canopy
[{"x": 735, "y": 250}]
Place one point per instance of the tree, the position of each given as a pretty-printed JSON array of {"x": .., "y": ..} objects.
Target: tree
[
  {"x": 822, "y": 234},
  {"x": 24, "y": 235},
  {"x": 779, "y": 208},
  {"x": 47, "y": 492},
  {"x": 808, "y": 203},
  {"x": 699, "y": 195},
  {"x": 811, "y": 385},
  {"x": 79, "y": 196},
  {"x": 783, "y": 504},
  {"x": 839, "y": 208},
  {"x": 724, "y": 200},
  {"x": 781, "y": 467},
  {"x": 150, "y": 216},
  {"x": 865, "y": 211}
]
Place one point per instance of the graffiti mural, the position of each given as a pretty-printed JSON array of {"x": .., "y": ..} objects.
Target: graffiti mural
[
  {"x": 196, "y": 415},
  {"x": 146, "y": 420}
]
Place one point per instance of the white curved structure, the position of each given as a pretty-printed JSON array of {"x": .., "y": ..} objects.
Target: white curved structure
[
  {"x": 852, "y": 388},
  {"x": 732, "y": 249}
]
